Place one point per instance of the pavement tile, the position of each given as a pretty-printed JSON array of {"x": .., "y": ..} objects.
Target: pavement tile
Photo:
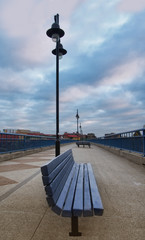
[
  {"x": 15, "y": 167},
  {"x": 34, "y": 159},
  {"x": 28, "y": 198},
  {"x": 18, "y": 225},
  {"x": 19, "y": 175},
  {"x": 6, "y": 181}
]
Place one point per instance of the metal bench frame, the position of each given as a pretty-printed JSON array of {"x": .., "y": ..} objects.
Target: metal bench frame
[
  {"x": 78, "y": 143},
  {"x": 71, "y": 189}
]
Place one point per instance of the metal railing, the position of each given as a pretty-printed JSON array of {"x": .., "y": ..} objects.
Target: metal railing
[
  {"x": 131, "y": 140},
  {"x": 20, "y": 142}
]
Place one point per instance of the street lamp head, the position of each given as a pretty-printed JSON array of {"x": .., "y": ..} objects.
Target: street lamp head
[
  {"x": 62, "y": 51},
  {"x": 55, "y": 32},
  {"x": 77, "y": 115}
]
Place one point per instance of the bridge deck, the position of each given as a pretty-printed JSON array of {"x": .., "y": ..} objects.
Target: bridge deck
[{"x": 24, "y": 213}]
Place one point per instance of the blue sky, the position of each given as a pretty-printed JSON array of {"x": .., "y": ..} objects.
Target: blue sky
[{"x": 102, "y": 75}]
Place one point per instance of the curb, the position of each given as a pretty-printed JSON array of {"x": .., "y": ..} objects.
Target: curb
[
  {"x": 12, "y": 155},
  {"x": 132, "y": 156}
]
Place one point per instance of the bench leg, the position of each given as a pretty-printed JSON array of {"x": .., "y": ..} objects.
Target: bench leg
[{"x": 74, "y": 227}]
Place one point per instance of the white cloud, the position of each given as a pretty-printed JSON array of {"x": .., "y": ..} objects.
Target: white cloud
[
  {"x": 109, "y": 91},
  {"x": 89, "y": 122},
  {"x": 89, "y": 46},
  {"x": 24, "y": 18},
  {"x": 95, "y": 24},
  {"x": 126, "y": 72},
  {"x": 131, "y": 5},
  {"x": 74, "y": 93},
  {"x": 24, "y": 82},
  {"x": 29, "y": 20}
]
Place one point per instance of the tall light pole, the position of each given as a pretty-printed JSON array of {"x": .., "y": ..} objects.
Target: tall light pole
[
  {"x": 77, "y": 117},
  {"x": 55, "y": 32},
  {"x": 81, "y": 131}
]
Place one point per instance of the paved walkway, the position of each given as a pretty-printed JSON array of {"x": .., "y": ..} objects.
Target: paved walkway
[{"x": 24, "y": 213}]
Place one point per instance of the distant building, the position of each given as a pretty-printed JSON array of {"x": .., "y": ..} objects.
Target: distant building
[
  {"x": 9, "y": 130},
  {"x": 137, "y": 133},
  {"x": 90, "y": 136},
  {"x": 27, "y": 132},
  {"x": 72, "y": 136},
  {"x": 112, "y": 135},
  {"x": 21, "y": 131},
  {"x": 108, "y": 135}
]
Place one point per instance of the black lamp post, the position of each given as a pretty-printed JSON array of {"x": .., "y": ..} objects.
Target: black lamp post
[
  {"x": 81, "y": 132},
  {"x": 55, "y": 32},
  {"x": 77, "y": 117}
]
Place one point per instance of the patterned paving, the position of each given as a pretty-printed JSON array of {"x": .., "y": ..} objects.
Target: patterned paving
[
  {"x": 27, "y": 160},
  {"x": 6, "y": 181},
  {"x": 17, "y": 169}
]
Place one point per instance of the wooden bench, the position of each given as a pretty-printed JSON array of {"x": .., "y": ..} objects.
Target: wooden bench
[
  {"x": 71, "y": 189},
  {"x": 78, "y": 143}
]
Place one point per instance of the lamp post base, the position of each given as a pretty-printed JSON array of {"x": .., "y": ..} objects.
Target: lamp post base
[{"x": 57, "y": 148}]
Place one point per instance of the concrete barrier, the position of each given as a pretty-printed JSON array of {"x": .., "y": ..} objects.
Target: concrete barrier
[
  {"x": 132, "y": 156},
  {"x": 12, "y": 155}
]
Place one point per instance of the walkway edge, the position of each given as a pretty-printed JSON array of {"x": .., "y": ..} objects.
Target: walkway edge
[{"x": 132, "y": 156}]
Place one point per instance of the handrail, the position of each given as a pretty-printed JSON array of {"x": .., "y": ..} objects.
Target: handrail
[
  {"x": 10, "y": 142},
  {"x": 133, "y": 140}
]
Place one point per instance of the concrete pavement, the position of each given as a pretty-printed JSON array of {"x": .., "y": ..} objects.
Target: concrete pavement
[{"x": 24, "y": 213}]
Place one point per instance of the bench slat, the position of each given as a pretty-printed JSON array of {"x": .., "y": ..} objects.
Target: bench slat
[
  {"x": 67, "y": 209},
  {"x": 59, "y": 167},
  {"x": 48, "y": 179},
  {"x": 50, "y": 189},
  {"x": 53, "y": 194},
  {"x": 61, "y": 200},
  {"x": 78, "y": 199},
  {"x": 62, "y": 182},
  {"x": 87, "y": 198},
  {"x": 96, "y": 200},
  {"x": 52, "y": 199},
  {"x": 48, "y": 168}
]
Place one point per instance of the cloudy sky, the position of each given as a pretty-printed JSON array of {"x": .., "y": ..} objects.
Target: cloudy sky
[{"x": 102, "y": 75}]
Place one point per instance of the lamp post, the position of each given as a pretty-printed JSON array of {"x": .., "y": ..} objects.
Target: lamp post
[
  {"x": 55, "y": 32},
  {"x": 81, "y": 132},
  {"x": 77, "y": 117}
]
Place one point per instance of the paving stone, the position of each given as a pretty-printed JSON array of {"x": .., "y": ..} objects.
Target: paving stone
[
  {"x": 15, "y": 167},
  {"x": 6, "y": 181}
]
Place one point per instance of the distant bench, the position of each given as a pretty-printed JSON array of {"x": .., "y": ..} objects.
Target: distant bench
[
  {"x": 71, "y": 189},
  {"x": 78, "y": 143}
]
